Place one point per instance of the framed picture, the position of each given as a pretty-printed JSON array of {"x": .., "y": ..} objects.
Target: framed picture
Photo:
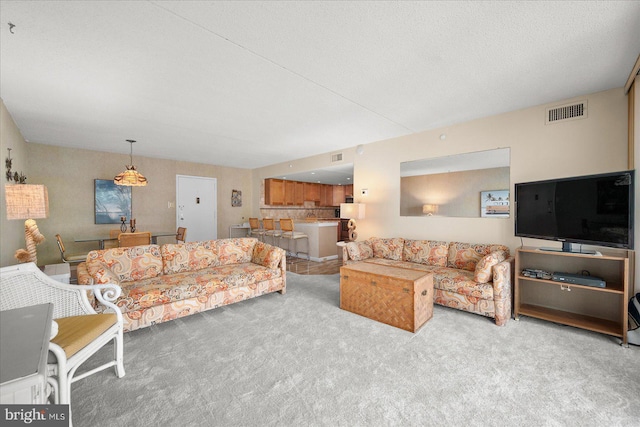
[
  {"x": 494, "y": 204},
  {"x": 236, "y": 198},
  {"x": 111, "y": 202}
]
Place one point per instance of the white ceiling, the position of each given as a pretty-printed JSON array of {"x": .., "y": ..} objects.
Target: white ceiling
[{"x": 249, "y": 84}]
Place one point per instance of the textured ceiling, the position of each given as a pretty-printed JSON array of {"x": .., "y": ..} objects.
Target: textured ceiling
[{"x": 249, "y": 84}]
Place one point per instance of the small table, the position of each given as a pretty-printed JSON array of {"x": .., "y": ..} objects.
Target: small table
[
  {"x": 103, "y": 238},
  {"x": 25, "y": 334},
  {"x": 244, "y": 230},
  {"x": 396, "y": 296}
]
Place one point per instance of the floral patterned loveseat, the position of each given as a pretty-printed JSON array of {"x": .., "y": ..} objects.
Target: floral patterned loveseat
[
  {"x": 470, "y": 277},
  {"x": 161, "y": 283}
]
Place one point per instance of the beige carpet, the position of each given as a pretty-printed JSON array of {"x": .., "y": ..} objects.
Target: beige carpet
[{"x": 298, "y": 360}]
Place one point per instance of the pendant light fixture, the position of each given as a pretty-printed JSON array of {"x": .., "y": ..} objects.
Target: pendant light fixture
[{"x": 131, "y": 177}]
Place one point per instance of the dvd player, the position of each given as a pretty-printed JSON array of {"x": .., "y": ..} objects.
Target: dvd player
[{"x": 578, "y": 279}]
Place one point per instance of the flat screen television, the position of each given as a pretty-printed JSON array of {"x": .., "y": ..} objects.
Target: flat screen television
[{"x": 593, "y": 210}]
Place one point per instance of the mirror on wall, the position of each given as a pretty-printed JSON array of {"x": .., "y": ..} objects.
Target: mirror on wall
[{"x": 469, "y": 185}]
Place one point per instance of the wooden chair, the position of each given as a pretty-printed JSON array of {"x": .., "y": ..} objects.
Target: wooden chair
[
  {"x": 254, "y": 225},
  {"x": 81, "y": 331},
  {"x": 134, "y": 239},
  {"x": 270, "y": 230},
  {"x": 113, "y": 234},
  {"x": 69, "y": 259},
  {"x": 181, "y": 235}
]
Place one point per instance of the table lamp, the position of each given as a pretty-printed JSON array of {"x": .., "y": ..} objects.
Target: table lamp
[
  {"x": 429, "y": 209},
  {"x": 27, "y": 201},
  {"x": 352, "y": 211}
]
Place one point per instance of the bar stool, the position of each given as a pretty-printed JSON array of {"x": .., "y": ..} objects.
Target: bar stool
[
  {"x": 288, "y": 233},
  {"x": 255, "y": 230},
  {"x": 270, "y": 230}
]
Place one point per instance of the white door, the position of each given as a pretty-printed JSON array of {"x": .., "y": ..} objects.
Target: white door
[{"x": 196, "y": 207}]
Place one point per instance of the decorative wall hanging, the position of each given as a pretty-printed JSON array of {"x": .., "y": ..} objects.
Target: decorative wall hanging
[
  {"x": 494, "y": 204},
  {"x": 112, "y": 202},
  {"x": 18, "y": 178},
  {"x": 236, "y": 198}
]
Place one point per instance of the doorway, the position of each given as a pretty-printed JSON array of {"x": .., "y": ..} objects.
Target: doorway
[{"x": 197, "y": 207}]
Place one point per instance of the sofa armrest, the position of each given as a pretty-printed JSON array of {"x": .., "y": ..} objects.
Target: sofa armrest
[
  {"x": 502, "y": 290},
  {"x": 84, "y": 278}
]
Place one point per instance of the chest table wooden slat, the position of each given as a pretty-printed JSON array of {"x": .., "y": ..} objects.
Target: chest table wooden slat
[{"x": 395, "y": 296}]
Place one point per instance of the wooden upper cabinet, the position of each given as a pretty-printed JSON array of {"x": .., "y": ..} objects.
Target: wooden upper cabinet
[
  {"x": 348, "y": 190},
  {"x": 299, "y": 193},
  {"x": 326, "y": 195},
  {"x": 312, "y": 192},
  {"x": 274, "y": 191},
  {"x": 289, "y": 193},
  {"x": 338, "y": 194}
]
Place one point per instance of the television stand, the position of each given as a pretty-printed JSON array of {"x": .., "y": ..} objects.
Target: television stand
[{"x": 602, "y": 310}]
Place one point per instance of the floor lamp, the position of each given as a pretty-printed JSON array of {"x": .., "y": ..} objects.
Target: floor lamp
[
  {"x": 352, "y": 211},
  {"x": 27, "y": 201}
]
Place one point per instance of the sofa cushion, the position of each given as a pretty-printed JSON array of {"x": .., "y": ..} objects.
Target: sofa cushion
[
  {"x": 125, "y": 264},
  {"x": 484, "y": 268},
  {"x": 190, "y": 256},
  {"x": 445, "y": 278},
  {"x": 465, "y": 256},
  {"x": 142, "y": 294},
  {"x": 387, "y": 248},
  {"x": 235, "y": 251},
  {"x": 429, "y": 252},
  {"x": 267, "y": 255},
  {"x": 359, "y": 251}
]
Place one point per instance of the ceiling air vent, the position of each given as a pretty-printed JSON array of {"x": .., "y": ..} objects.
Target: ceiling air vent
[
  {"x": 566, "y": 112},
  {"x": 336, "y": 157}
]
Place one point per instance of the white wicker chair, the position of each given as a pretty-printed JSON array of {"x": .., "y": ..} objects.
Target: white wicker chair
[{"x": 25, "y": 285}]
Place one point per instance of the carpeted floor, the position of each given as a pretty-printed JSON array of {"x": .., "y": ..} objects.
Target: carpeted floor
[{"x": 298, "y": 360}]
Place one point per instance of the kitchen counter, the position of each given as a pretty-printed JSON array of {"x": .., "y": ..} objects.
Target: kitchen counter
[{"x": 323, "y": 235}]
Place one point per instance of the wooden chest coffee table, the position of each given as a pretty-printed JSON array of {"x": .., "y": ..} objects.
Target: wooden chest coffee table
[{"x": 395, "y": 296}]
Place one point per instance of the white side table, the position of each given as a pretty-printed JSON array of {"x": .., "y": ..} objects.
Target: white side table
[
  {"x": 25, "y": 334},
  {"x": 60, "y": 272},
  {"x": 340, "y": 245}
]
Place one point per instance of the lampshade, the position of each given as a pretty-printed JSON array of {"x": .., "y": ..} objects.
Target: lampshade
[
  {"x": 26, "y": 201},
  {"x": 131, "y": 177},
  {"x": 429, "y": 209},
  {"x": 352, "y": 210}
]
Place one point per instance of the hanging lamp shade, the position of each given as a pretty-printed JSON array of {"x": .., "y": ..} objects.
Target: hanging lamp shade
[{"x": 130, "y": 177}]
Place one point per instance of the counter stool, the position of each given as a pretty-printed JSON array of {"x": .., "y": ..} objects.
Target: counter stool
[
  {"x": 270, "y": 230},
  {"x": 288, "y": 233},
  {"x": 255, "y": 230}
]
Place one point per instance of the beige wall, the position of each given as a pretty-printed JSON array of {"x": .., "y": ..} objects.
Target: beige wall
[
  {"x": 596, "y": 144},
  {"x": 11, "y": 232},
  {"x": 69, "y": 176}
]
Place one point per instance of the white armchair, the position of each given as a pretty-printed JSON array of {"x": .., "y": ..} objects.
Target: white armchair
[{"x": 81, "y": 330}]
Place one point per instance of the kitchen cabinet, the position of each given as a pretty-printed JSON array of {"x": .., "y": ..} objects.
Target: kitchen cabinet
[
  {"x": 299, "y": 193},
  {"x": 289, "y": 193},
  {"x": 326, "y": 195},
  {"x": 338, "y": 194},
  {"x": 348, "y": 190},
  {"x": 312, "y": 192},
  {"x": 274, "y": 191}
]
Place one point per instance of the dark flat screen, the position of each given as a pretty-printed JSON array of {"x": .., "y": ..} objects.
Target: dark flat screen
[{"x": 595, "y": 209}]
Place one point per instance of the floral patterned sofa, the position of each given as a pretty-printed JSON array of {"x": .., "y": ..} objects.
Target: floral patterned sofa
[
  {"x": 161, "y": 283},
  {"x": 470, "y": 277}
]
